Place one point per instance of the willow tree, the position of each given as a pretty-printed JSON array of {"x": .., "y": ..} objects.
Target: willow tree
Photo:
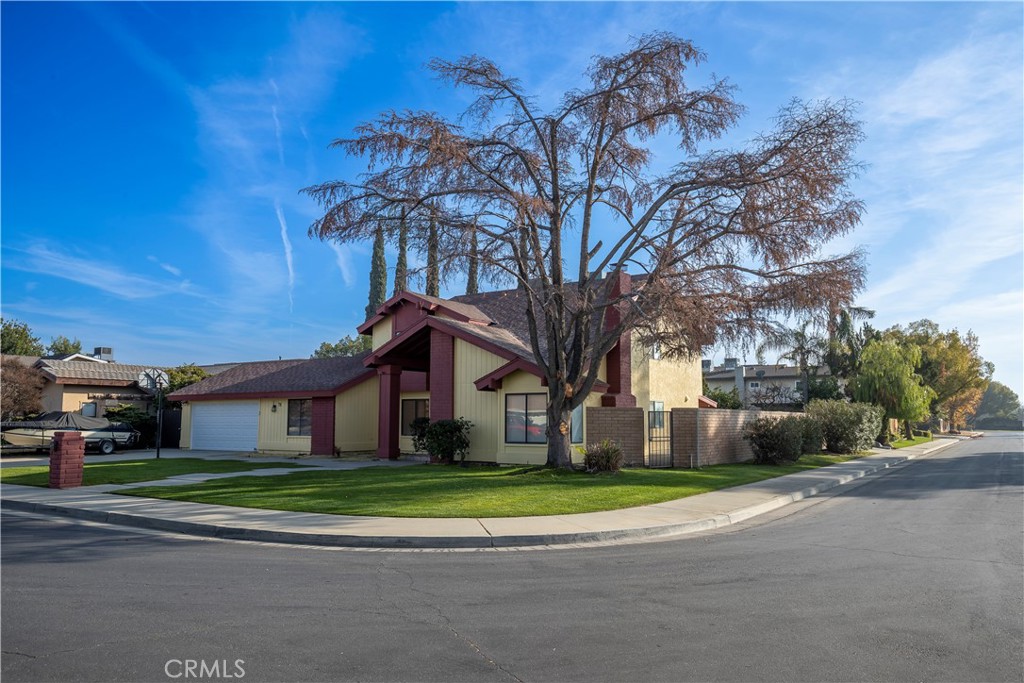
[
  {"x": 887, "y": 379},
  {"x": 564, "y": 200}
]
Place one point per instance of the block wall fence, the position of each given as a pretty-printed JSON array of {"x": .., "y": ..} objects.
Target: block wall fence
[
  {"x": 700, "y": 437},
  {"x": 624, "y": 426}
]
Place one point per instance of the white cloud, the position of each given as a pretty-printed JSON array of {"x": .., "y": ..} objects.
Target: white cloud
[
  {"x": 344, "y": 262},
  {"x": 287, "y": 243},
  {"x": 93, "y": 271}
]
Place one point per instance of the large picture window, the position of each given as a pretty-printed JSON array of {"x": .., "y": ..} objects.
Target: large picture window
[
  {"x": 300, "y": 416},
  {"x": 526, "y": 418},
  {"x": 413, "y": 408}
]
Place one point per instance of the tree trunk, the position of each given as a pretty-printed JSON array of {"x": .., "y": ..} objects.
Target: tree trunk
[
  {"x": 559, "y": 446},
  {"x": 908, "y": 430}
]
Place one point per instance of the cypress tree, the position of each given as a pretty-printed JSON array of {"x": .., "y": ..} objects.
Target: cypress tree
[
  {"x": 433, "y": 268},
  {"x": 402, "y": 266},
  {"x": 472, "y": 287},
  {"x": 378, "y": 274}
]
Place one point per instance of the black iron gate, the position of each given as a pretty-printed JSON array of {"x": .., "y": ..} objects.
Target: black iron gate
[{"x": 659, "y": 438}]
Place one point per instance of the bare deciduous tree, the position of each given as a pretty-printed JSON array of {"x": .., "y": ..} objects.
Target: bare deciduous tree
[{"x": 728, "y": 240}]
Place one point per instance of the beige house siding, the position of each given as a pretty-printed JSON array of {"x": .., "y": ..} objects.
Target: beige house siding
[
  {"x": 482, "y": 408},
  {"x": 273, "y": 429},
  {"x": 382, "y": 333},
  {"x": 185, "y": 442},
  {"x": 355, "y": 417},
  {"x": 71, "y": 397}
]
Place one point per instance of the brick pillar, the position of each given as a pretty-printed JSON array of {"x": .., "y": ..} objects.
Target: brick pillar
[
  {"x": 322, "y": 440},
  {"x": 389, "y": 416},
  {"x": 67, "y": 457},
  {"x": 620, "y": 358},
  {"x": 442, "y": 376}
]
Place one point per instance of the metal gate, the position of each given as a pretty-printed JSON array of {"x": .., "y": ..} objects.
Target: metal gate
[{"x": 659, "y": 438}]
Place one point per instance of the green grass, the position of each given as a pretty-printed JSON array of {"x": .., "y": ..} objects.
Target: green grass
[
  {"x": 439, "y": 491},
  {"x": 903, "y": 443},
  {"x": 130, "y": 471}
]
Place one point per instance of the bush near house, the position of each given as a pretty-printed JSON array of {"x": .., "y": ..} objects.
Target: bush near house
[
  {"x": 605, "y": 456},
  {"x": 847, "y": 427},
  {"x": 448, "y": 439},
  {"x": 814, "y": 436},
  {"x": 776, "y": 441}
]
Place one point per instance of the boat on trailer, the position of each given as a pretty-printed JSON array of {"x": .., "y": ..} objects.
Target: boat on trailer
[{"x": 99, "y": 433}]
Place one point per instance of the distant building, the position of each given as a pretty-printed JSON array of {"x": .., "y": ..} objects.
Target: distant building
[{"x": 761, "y": 386}]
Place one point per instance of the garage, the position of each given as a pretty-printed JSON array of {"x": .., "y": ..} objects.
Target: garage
[{"x": 225, "y": 425}]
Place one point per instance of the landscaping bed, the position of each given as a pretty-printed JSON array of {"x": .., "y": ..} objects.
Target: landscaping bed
[
  {"x": 440, "y": 491},
  {"x": 131, "y": 471}
]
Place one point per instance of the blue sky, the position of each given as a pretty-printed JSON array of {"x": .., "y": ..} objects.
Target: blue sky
[{"x": 152, "y": 153}]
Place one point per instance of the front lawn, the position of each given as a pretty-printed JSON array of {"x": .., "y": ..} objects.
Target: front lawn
[
  {"x": 439, "y": 491},
  {"x": 131, "y": 471},
  {"x": 903, "y": 443}
]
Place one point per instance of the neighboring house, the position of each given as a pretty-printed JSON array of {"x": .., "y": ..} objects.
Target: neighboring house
[
  {"x": 468, "y": 356},
  {"x": 85, "y": 384},
  {"x": 759, "y": 385},
  {"x": 90, "y": 386}
]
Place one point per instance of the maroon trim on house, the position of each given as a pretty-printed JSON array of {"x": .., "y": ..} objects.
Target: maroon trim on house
[
  {"x": 442, "y": 375},
  {"x": 382, "y": 355},
  {"x": 705, "y": 402},
  {"x": 413, "y": 380},
  {"x": 389, "y": 411},
  {"x": 620, "y": 358},
  {"x": 236, "y": 396},
  {"x": 492, "y": 380},
  {"x": 418, "y": 304},
  {"x": 322, "y": 437},
  {"x": 404, "y": 315}
]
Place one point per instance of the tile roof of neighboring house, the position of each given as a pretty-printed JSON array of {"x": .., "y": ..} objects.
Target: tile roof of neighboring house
[
  {"x": 27, "y": 361},
  {"x": 62, "y": 371},
  {"x": 312, "y": 376}
]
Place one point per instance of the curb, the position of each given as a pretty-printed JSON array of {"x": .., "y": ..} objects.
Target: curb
[{"x": 456, "y": 542}]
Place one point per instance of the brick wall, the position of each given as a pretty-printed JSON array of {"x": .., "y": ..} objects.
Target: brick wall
[
  {"x": 67, "y": 458},
  {"x": 624, "y": 426},
  {"x": 715, "y": 435}
]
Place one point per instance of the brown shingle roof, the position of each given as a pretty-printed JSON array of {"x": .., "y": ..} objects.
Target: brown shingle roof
[{"x": 301, "y": 375}]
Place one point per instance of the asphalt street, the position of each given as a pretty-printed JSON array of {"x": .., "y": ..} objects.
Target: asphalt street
[{"x": 911, "y": 575}]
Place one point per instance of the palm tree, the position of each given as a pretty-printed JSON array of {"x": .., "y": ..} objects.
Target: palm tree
[{"x": 800, "y": 346}]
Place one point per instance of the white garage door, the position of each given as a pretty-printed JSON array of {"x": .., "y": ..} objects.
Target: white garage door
[{"x": 225, "y": 426}]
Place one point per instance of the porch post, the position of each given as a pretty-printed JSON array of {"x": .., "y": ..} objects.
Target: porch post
[{"x": 389, "y": 417}]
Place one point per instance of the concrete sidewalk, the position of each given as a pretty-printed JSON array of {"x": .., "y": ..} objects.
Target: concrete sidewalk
[{"x": 685, "y": 515}]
